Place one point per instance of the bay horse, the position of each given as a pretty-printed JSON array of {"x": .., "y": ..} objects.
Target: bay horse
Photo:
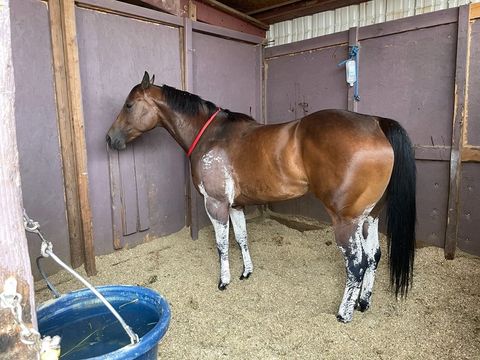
[{"x": 352, "y": 163}]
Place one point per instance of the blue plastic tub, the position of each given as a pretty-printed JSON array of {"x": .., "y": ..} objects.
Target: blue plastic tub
[{"x": 90, "y": 331}]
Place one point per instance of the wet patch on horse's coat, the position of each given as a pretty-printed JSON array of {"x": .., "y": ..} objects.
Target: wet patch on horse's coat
[
  {"x": 219, "y": 209},
  {"x": 229, "y": 185}
]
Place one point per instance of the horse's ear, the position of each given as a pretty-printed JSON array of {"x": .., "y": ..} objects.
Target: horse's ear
[
  {"x": 152, "y": 80},
  {"x": 145, "y": 81}
]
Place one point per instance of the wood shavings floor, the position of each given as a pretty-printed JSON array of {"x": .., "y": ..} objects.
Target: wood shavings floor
[{"x": 287, "y": 309}]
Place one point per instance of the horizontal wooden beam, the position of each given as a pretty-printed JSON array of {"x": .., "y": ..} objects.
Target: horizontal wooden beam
[
  {"x": 471, "y": 154},
  {"x": 130, "y": 11},
  {"x": 228, "y": 10},
  {"x": 437, "y": 18},
  {"x": 271, "y": 7},
  {"x": 474, "y": 11},
  {"x": 313, "y": 44},
  {"x": 169, "y": 6},
  {"x": 301, "y": 8},
  {"x": 215, "y": 16},
  {"x": 226, "y": 33},
  {"x": 433, "y": 153}
]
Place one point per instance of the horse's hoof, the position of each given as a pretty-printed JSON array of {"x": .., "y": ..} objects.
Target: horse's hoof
[
  {"x": 244, "y": 277},
  {"x": 341, "y": 319},
  {"x": 222, "y": 286},
  {"x": 362, "y": 305}
]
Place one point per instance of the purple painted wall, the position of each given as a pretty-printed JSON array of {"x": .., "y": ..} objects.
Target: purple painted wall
[
  {"x": 469, "y": 229},
  {"x": 410, "y": 77},
  {"x": 468, "y": 232},
  {"x": 473, "y": 137},
  {"x": 306, "y": 82},
  {"x": 148, "y": 190},
  {"x": 37, "y": 132}
]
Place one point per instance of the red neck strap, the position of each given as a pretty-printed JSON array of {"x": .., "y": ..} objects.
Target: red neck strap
[{"x": 200, "y": 133}]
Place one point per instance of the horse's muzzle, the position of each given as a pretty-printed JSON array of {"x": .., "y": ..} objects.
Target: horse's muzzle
[{"x": 116, "y": 141}]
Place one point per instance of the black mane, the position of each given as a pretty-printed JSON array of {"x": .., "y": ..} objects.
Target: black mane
[
  {"x": 191, "y": 104},
  {"x": 186, "y": 103}
]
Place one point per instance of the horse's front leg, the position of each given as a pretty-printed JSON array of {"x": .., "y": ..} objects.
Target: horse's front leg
[
  {"x": 218, "y": 213},
  {"x": 240, "y": 230}
]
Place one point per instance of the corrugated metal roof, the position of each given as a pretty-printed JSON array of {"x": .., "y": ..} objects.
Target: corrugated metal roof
[{"x": 366, "y": 13}]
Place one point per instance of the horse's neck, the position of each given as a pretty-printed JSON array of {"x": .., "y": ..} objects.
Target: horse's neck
[{"x": 184, "y": 128}]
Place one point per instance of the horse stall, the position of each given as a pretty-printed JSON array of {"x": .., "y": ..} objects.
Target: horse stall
[{"x": 135, "y": 217}]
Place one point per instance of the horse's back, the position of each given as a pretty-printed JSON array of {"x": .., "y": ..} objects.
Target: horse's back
[{"x": 333, "y": 121}]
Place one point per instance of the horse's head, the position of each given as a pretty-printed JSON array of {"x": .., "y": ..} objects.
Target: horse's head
[{"x": 138, "y": 115}]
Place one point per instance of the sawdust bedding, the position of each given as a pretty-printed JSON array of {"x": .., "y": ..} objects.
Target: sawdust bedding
[{"x": 287, "y": 309}]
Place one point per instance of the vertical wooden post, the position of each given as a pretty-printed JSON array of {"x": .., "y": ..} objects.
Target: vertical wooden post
[
  {"x": 192, "y": 197},
  {"x": 72, "y": 133},
  {"x": 66, "y": 137},
  {"x": 353, "y": 41},
  {"x": 14, "y": 258},
  {"x": 459, "y": 115}
]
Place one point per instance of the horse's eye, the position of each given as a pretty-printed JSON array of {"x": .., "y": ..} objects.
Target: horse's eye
[{"x": 128, "y": 105}]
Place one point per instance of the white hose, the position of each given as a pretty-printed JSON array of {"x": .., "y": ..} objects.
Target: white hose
[{"x": 133, "y": 337}]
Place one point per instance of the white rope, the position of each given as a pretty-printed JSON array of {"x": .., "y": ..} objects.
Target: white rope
[
  {"x": 133, "y": 337},
  {"x": 47, "y": 251}
]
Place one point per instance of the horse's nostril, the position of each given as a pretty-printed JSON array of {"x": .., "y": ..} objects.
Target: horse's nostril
[{"x": 109, "y": 140}]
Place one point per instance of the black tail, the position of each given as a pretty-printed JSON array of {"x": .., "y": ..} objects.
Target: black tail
[{"x": 401, "y": 208}]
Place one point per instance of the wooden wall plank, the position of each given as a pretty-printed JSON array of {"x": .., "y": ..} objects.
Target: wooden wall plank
[
  {"x": 14, "y": 258},
  {"x": 130, "y": 11},
  {"x": 308, "y": 45},
  {"x": 115, "y": 191},
  {"x": 68, "y": 89},
  {"x": 143, "y": 221},
  {"x": 435, "y": 153},
  {"x": 214, "y": 12},
  {"x": 66, "y": 136},
  {"x": 191, "y": 192},
  {"x": 411, "y": 23},
  {"x": 461, "y": 98},
  {"x": 129, "y": 191}
]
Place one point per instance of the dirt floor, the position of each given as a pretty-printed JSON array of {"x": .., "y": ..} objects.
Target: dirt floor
[{"x": 287, "y": 309}]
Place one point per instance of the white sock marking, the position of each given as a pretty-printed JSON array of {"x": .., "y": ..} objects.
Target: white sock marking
[{"x": 240, "y": 229}]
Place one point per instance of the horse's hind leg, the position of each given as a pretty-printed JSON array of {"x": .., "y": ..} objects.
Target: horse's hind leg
[
  {"x": 371, "y": 249},
  {"x": 240, "y": 230},
  {"x": 349, "y": 238}
]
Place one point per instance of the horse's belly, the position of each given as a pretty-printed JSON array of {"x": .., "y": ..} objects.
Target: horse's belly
[{"x": 261, "y": 191}]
